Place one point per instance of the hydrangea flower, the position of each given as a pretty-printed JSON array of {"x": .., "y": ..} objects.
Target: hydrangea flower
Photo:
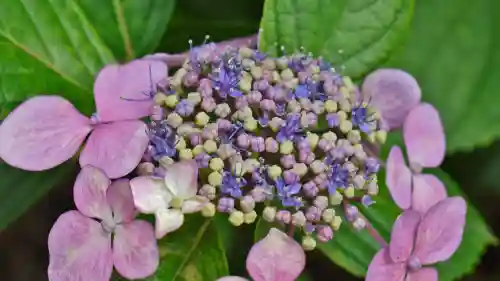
[
  {"x": 419, "y": 241},
  {"x": 169, "y": 198},
  {"x": 45, "y": 131},
  {"x": 425, "y": 143},
  {"x": 277, "y": 257},
  {"x": 394, "y": 93},
  {"x": 85, "y": 244}
]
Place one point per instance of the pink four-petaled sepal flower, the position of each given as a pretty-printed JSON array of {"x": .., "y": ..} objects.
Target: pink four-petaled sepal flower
[
  {"x": 45, "y": 131},
  {"x": 169, "y": 197},
  {"x": 425, "y": 144},
  {"x": 418, "y": 241},
  {"x": 84, "y": 244},
  {"x": 277, "y": 257}
]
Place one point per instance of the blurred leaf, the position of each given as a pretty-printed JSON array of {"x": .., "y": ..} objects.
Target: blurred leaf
[
  {"x": 455, "y": 55},
  {"x": 130, "y": 28},
  {"x": 358, "y": 34},
  {"x": 54, "y": 47},
  {"x": 194, "y": 252},
  {"x": 20, "y": 189},
  {"x": 354, "y": 251},
  {"x": 221, "y": 19}
]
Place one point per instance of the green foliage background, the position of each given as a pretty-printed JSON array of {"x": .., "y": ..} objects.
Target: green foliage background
[{"x": 452, "y": 47}]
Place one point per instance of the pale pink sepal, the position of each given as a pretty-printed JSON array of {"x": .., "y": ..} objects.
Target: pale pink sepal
[
  {"x": 79, "y": 249},
  {"x": 123, "y": 92},
  {"x": 427, "y": 191},
  {"x": 394, "y": 93},
  {"x": 150, "y": 194},
  {"x": 398, "y": 178},
  {"x": 116, "y": 148},
  {"x": 119, "y": 197},
  {"x": 42, "y": 133},
  {"x": 232, "y": 278},
  {"x": 277, "y": 257},
  {"x": 382, "y": 268},
  {"x": 441, "y": 230},
  {"x": 423, "y": 274},
  {"x": 167, "y": 220},
  {"x": 135, "y": 251},
  {"x": 181, "y": 178},
  {"x": 89, "y": 193},
  {"x": 424, "y": 136},
  {"x": 403, "y": 235}
]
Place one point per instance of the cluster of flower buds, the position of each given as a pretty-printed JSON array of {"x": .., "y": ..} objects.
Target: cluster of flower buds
[{"x": 288, "y": 132}]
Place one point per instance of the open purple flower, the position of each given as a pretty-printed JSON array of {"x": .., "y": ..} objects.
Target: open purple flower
[
  {"x": 45, "y": 131},
  {"x": 85, "y": 244}
]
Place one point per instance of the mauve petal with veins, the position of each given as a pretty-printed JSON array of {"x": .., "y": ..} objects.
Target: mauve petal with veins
[
  {"x": 232, "y": 278},
  {"x": 123, "y": 92},
  {"x": 89, "y": 193},
  {"x": 116, "y": 148},
  {"x": 403, "y": 236},
  {"x": 398, "y": 178},
  {"x": 393, "y": 92},
  {"x": 424, "y": 136},
  {"x": 42, "y": 133},
  {"x": 427, "y": 191},
  {"x": 150, "y": 194},
  {"x": 382, "y": 268},
  {"x": 441, "y": 230},
  {"x": 423, "y": 274},
  {"x": 135, "y": 251},
  {"x": 167, "y": 220},
  {"x": 119, "y": 197},
  {"x": 277, "y": 257},
  {"x": 79, "y": 249},
  {"x": 182, "y": 178}
]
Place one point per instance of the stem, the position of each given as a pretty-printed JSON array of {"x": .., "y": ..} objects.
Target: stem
[
  {"x": 177, "y": 60},
  {"x": 369, "y": 227},
  {"x": 291, "y": 230}
]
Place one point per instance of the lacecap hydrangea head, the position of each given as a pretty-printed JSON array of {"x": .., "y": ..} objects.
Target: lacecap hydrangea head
[{"x": 288, "y": 132}]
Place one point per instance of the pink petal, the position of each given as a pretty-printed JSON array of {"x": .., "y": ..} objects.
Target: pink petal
[
  {"x": 135, "y": 251},
  {"x": 398, "y": 178},
  {"x": 79, "y": 249},
  {"x": 150, "y": 194},
  {"x": 427, "y": 191},
  {"x": 116, "y": 148},
  {"x": 277, "y": 257},
  {"x": 403, "y": 235},
  {"x": 440, "y": 232},
  {"x": 232, "y": 278},
  {"x": 120, "y": 199},
  {"x": 382, "y": 268},
  {"x": 393, "y": 92},
  {"x": 123, "y": 92},
  {"x": 89, "y": 193},
  {"x": 424, "y": 136},
  {"x": 182, "y": 179},
  {"x": 42, "y": 133},
  {"x": 423, "y": 274}
]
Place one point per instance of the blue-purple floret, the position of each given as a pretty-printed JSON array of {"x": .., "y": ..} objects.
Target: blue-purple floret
[
  {"x": 162, "y": 141},
  {"x": 286, "y": 192},
  {"x": 338, "y": 177},
  {"x": 290, "y": 130},
  {"x": 231, "y": 184},
  {"x": 361, "y": 119}
]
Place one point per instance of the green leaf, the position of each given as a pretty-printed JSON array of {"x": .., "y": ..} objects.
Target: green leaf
[
  {"x": 55, "y": 47},
  {"x": 20, "y": 189},
  {"x": 354, "y": 251},
  {"x": 192, "y": 253},
  {"x": 133, "y": 28},
  {"x": 455, "y": 55},
  {"x": 357, "y": 34}
]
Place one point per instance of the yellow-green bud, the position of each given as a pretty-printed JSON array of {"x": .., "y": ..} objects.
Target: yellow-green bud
[
  {"x": 186, "y": 154},
  {"x": 372, "y": 188},
  {"x": 345, "y": 105},
  {"x": 286, "y": 147},
  {"x": 348, "y": 83},
  {"x": 345, "y": 92},
  {"x": 171, "y": 100},
  {"x": 299, "y": 219},
  {"x": 328, "y": 215},
  {"x": 372, "y": 137},
  {"x": 308, "y": 243},
  {"x": 275, "y": 77},
  {"x": 222, "y": 110},
  {"x": 274, "y": 171},
  {"x": 354, "y": 136},
  {"x": 165, "y": 161},
  {"x": 313, "y": 140},
  {"x": 210, "y": 146},
  {"x": 336, "y": 198},
  {"x": 330, "y": 136},
  {"x": 174, "y": 120},
  {"x": 250, "y": 124},
  {"x": 342, "y": 115},
  {"x": 276, "y": 123},
  {"x": 299, "y": 169},
  {"x": 268, "y": 64},
  {"x": 381, "y": 136},
  {"x": 214, "y": 178},
  {"x": 194, "y": 98},
  {"x": 282, "y": 63},
  {"x": 208, "y": 210},
  {"x": 246, "y": 85},
  {"x": 202, "y": 119},
  {"x": 160, "y": 99},
  {"x": 245, "y": 52},
  {"x": 250, "y": 217},
  {"x": 198, "y": 149},
  {"x": 236, "y": 218},
  {"x": 256, "y": 72},
  {"x": 335, "y": 224},
  {"x": 269, "y": 214},
  {"x": 345, "y": 126},
  {"x": 330, "y": 106},
  {"x": 216, "y": 164},
  {"x": 287, "y": 74},
  {"x": 181, "y": 144},
  {"x": 317, "y": 166}
]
